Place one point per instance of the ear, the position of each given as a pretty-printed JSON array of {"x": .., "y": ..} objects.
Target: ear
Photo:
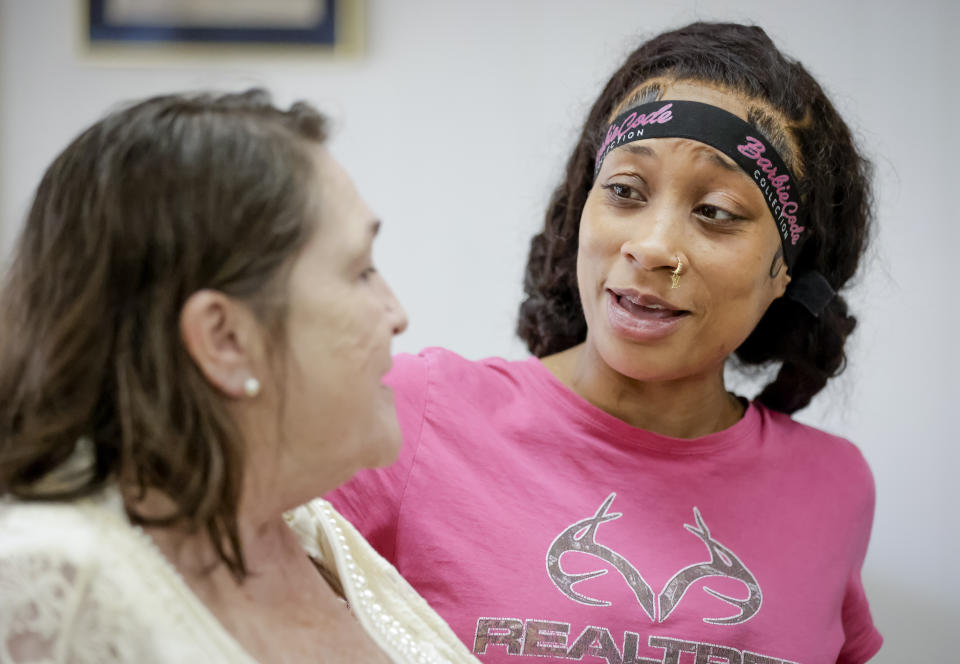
[
  {"x": 223, "y": 339},
  {"x": 781, "y": 281},
  {"x": 778, "y": 274}
]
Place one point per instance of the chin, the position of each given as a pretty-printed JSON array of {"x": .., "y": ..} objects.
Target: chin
[{"x": 642, "y": 363}]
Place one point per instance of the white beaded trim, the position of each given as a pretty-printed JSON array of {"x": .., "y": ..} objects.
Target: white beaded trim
[{"x": 365, "y": 600}]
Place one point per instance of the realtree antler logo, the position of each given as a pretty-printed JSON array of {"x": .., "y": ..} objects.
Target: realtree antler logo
[{"x": 582, "y": 537}]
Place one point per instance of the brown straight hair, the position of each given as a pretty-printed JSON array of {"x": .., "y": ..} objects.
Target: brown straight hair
[{"x": 156, "y": 201}]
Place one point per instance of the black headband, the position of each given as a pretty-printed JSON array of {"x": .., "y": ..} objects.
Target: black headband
[{"x": 747, "y": 147}]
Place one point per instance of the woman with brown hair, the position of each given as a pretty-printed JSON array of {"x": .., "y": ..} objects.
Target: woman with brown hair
[
  {"x": 193, "y": 345},
  {"x": 609, "y": 498}
]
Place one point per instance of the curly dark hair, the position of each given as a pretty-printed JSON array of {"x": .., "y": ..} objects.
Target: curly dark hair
[
  {"x": 154, "y": 202},
  {"x": 793, "y": 112}
]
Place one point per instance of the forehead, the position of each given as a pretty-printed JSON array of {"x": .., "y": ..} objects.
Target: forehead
[
  {"x": 777, "y": 128},
  {"x": 345, "y": 222},
  {"x": 654, "y": 148},
  {"x": 704, "y": 93},
  {"x": 665, "y": 89}
]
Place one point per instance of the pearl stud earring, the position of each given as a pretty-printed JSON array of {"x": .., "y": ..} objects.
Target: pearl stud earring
[{"x": 251, "y": 387}]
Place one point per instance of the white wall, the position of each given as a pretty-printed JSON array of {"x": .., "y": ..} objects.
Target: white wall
[{"x": 456, "y": 120}]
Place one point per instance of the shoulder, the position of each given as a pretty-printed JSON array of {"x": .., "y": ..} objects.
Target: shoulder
[
  {"x": 61, "y": 530},
  {"x": 65, "y": 582},
  {"x": 796, "y": 433},
  {"x": 434, "y": 366},
  {"x": 89, "y": 541},
  {"x": 830, "y": 456}
]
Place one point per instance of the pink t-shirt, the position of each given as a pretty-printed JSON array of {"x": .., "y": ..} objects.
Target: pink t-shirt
[{"x": 544, "y": 529}]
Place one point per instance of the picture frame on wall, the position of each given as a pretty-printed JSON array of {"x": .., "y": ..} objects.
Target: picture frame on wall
[{"x": 322, "y": 24}]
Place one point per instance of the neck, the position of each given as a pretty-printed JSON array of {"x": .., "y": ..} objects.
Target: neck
[
  {"x": 265, "y": 538},
  {"x": 687, "y": 407},
  {"x": 276, "y": 566}
]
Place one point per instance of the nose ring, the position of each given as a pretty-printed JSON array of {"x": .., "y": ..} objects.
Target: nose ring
[{"x": 675, "y": 274}]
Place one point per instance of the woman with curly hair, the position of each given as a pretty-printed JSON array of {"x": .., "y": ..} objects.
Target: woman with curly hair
[{"x": 609, "y": 496}]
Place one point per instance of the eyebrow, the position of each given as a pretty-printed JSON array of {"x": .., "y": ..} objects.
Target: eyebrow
[
  {"x": 374, "y": 226},
  {"x": 724, "y": 164}
]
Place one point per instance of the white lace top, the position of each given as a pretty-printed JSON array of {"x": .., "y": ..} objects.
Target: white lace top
[{"x": 80, "y": 585}]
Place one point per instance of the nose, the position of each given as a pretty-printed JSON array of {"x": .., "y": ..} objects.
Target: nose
[
  {"x": 401, "y": 324},
  {"x": 655, "y": 245},
  {"x": 396, "y": 312}
]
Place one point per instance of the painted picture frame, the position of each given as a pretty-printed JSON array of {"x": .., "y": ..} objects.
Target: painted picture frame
[{"x": 325, "y": 24}]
